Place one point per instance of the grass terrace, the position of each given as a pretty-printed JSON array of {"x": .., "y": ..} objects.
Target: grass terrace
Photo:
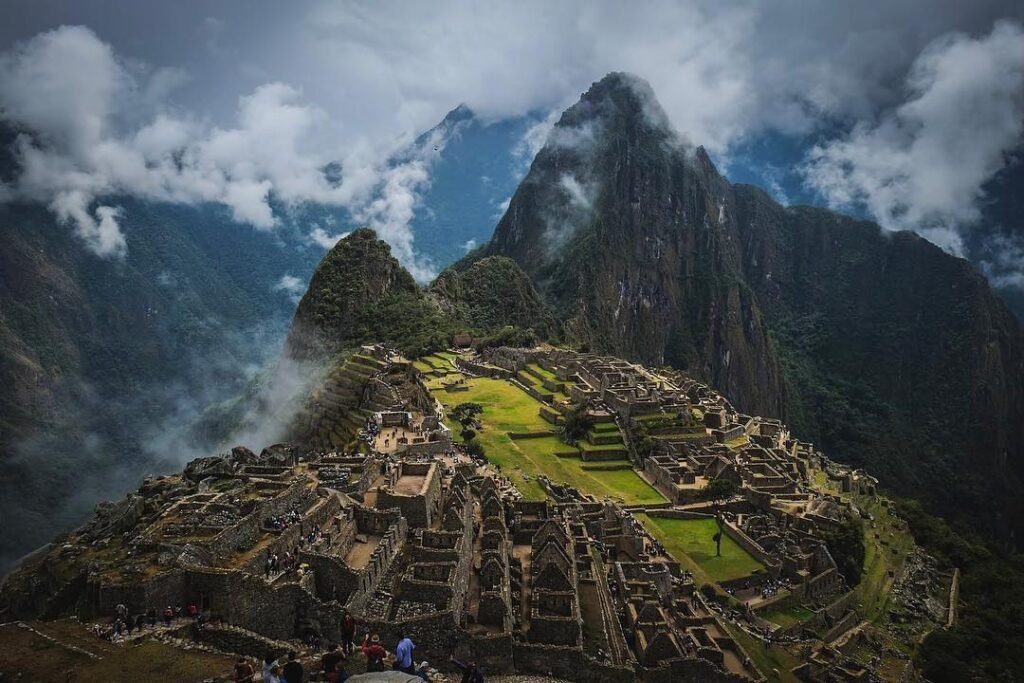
[
  {"x": 507, "y": 408},
  {"x": 738, "y": 442},
  {"x": 690, "y": 542},
  {"x": 788, "y": 616},
  {"x": 882, "y": 555},
  {"x": 546, "y": 374}
]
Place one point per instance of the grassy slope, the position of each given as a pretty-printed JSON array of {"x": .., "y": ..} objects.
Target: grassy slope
[
  {"x": 508, "y": 408},
  {"x": 690, "y": 542},
  {"x": 42, "y": 660}
]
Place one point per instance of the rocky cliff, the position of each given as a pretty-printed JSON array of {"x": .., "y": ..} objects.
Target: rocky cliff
[
  {"x": 897, "y": 355},
  {"x": 880, "y": 347},
  {"x": 632, "y": 237}
]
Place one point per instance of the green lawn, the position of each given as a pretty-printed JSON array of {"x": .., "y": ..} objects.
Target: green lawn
[
  {"x": 423, "y": 366},
  {"x": 507, "y": 408},
  {"x": 738, "y": 442},
  {"x": 546, "y": 374},
  {"x": 602, "y": 446},
  {"x": 690, "y": 542},
  {"x": 788, "y": 616}
]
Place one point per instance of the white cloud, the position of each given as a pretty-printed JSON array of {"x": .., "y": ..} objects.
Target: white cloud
[
  {"x": 922, "y": 165},
  {"x": 580, "y": 197},
  {"x": 1003, "y": 261},
  {"x": 80, "y": 104},
  {"x": 379, "y": 72},
  {"x": 469, "y": 245},
  {"x": 292, "y": 286},
  {"x": 325, "y": 239}
]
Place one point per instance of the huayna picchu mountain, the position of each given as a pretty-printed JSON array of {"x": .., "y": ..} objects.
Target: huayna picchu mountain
[
  {"x": 361, "y": 294},
  {"x": 879, "y": 346}
]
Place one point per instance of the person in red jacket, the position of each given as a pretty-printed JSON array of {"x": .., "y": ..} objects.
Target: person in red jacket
[
  {"x": 244, "y": 671},
  {"x": 375, "y": 653},
  {"x": 348, "y": 632}
]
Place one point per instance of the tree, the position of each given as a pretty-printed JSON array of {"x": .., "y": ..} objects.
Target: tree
[
  {"x": 575, "y": 424},
  {"x": 718, "y": 491},
  {"x": 846, "y": 545},
  {"x": 466, "y": 414}
]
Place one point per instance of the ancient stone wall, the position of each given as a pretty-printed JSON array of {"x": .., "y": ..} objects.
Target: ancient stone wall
[
  {"x": 566, "y": 662},
  {"x": 166, "y": 589}
]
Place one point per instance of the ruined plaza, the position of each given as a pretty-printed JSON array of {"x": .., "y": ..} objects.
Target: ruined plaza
[{"x": 589, "y": 561}]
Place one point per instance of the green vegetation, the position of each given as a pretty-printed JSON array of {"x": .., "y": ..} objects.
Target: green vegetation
[
  {"x": 507, "y": 408},
  {"x": 883, "y": 558},
  {"x": 43, "y": 660},
  {"x": 576, "y": 424},
  {"x": 846, "y": 545},
  {"x": 985, "y": 643},
  {"x": 767, "y": 658},
  {"x": 691, "y": 542},
  {"x": 788, "y": 616}
]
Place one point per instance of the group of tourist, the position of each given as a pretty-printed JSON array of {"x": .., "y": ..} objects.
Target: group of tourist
[
  {"x": 314, "y": 536},
  {"x": 281, "y": 563},
  {"x": 124, "y": 624},
  {"x": 283, "y": 521},
  {"x": 334, "y": 662}
]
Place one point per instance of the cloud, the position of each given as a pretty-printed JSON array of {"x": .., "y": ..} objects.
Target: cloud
[
  {"x": 93, "y": 130},
  {"x": 325, "y": 239},
  {"x": 580, "y": 197},
  {"x": 1002, "y": 261},
  {"x": 290, "y": 284},
  {"x": 921, "y": 165},
  {"x": 469, "y": 245},
  {"x": 275, "y": 99}
]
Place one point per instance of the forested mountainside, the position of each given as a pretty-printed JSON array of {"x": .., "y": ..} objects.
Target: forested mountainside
[
  {"x": 103, "y": 361},
  {"x": 882, "y": 348},
  {"x": 108, "y": 362},
  {"x": 361, "y": 294}
]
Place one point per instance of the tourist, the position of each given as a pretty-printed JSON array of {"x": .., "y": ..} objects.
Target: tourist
[
  {"x": 121, "y": 611},
  {"x": 269, "y": 662},
  {"x": 471, "y": 673},
  {"x": 329, "y": 662},
  {"x": 375, "y": 653},
  {"x": 168, "y": 615},
  {"x": 339, "y": 675},
  {"x": 348, "y": 632},
  {"x": 192, "y": 611},
  {"x": 403, "y": 655},
  {"x": 151, "y": 617},
  {"x": 140, "y": 621},
  {"x": 275, "y": 675},
  {"x": 244, "y": 671},
  {"x": 293, "y": 669},
  {"x": 423, "y": 670}
]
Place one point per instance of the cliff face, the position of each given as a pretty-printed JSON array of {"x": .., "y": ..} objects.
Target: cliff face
[
  {"x": 881, "y": 348},
  {"x": 491, "y": 293},
  {"x": 632, "y": 238},
  {"x": 897, "y": 356}
]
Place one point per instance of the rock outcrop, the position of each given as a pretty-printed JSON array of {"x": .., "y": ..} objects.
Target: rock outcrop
[{"x": 882, "y": 348}]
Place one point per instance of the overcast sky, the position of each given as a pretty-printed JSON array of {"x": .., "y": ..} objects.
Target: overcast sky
[{"x": 228, "y": 101}]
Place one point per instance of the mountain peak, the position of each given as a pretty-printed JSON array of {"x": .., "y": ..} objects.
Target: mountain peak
[
  {"x": 460, "y": 113},
  {"x": 620, "y": 98}
]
